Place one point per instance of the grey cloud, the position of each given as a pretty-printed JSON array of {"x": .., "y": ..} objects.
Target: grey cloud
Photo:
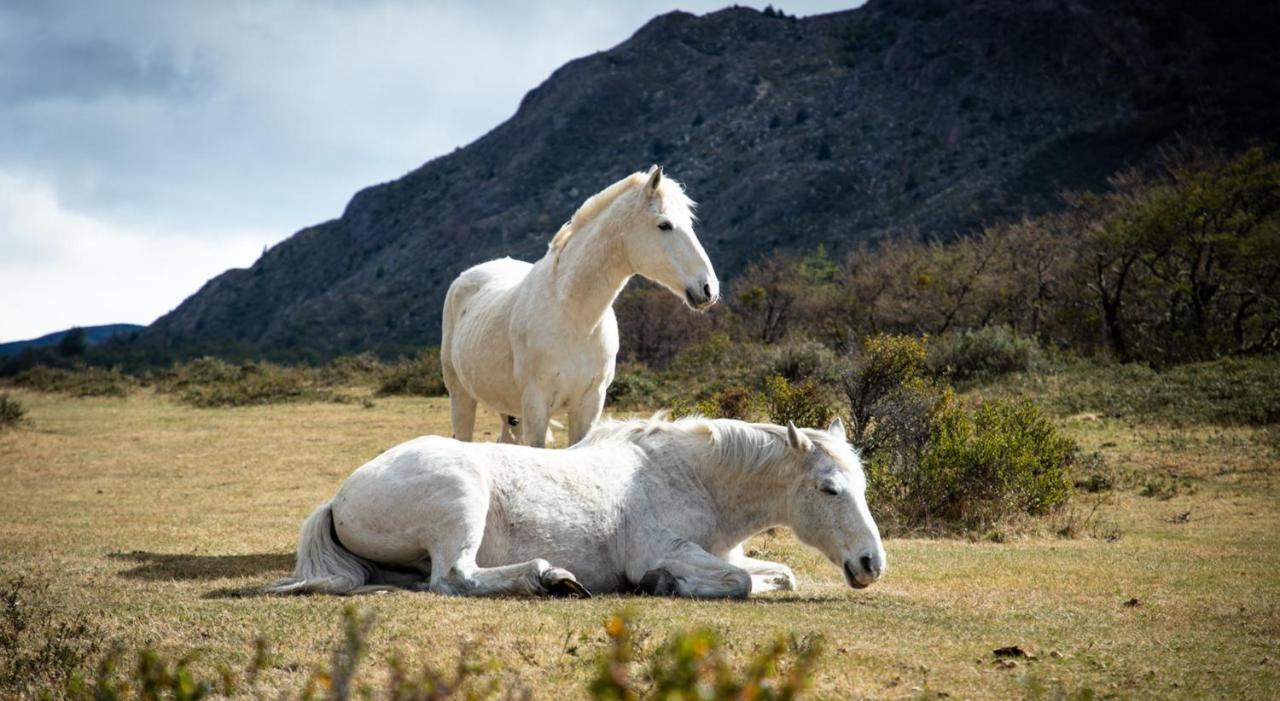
[{"x": 270, "y": 114}]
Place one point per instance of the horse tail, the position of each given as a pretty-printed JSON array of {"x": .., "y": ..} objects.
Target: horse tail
[{"x": 322, "y": 565}]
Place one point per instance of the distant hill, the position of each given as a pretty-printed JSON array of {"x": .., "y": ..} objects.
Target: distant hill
[
  {"x": 901, "y": 118},
  {"x": 94, "y": 335}
]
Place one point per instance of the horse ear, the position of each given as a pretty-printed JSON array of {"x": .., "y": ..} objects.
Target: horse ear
[
  {"x": 796, "y": 439},
  {"x": 655, "y": 177},
  {"x": 836, "y": 429}
]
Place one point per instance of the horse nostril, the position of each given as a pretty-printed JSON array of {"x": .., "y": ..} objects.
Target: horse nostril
[
  {"x": 706, "y": 289},
  {"x": 866, "y": 564}
]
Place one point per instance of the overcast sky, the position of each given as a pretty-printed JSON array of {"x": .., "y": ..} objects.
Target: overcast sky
[{"x": 148, "y": 146}]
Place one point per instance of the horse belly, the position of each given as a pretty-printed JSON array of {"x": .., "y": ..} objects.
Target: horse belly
[
  {"x": 566, "y": 517},
  {"x": 480, "y": 354}
]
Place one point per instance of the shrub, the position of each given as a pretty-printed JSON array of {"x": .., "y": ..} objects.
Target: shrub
[
  {"x": 155, "y": 677},
  {"x": 12, "y": 412},
  {"x": 633, "y": 386},
  {"x": 693, "y": 666},
  {"x": 987, "y": 352},
  {"x": 38, "y": 650},
  {"x": 82, "y": 381},
  {"x": 796, "y": 362},
  {"x": 689, "y": 666},
  {"x": 886, "y": 366},
  {"x": 210, "y": 382},
  {"x": 419, "y": 376},
  {"x": 1004, "y": 459},
  {"x": 803, "y": 403},
  {"x": 732, "y": 402},
  {"x": 348, "y": 370},
  {"x": 712, "y": 361},
  {"x": 931, "y": 462}
]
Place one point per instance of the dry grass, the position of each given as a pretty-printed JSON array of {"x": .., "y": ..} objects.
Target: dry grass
[{"x": 156, "y": 522}]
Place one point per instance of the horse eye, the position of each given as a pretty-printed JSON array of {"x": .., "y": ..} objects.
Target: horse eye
[
  {"x": 665, "y": 226},
  {"x": 828, "y": 489}
]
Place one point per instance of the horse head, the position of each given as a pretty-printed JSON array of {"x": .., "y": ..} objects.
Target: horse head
[
  {"x": 661, "y": 246},
  {"x": 828, "y": 504}
]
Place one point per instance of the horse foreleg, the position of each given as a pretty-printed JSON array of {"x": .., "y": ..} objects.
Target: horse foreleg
[
  {"x": 688, "y": 570},
  {"x": 462, "y": 413},
  {"x": 584, "y": 415},
  {"x": 534, "y": 418},
  {"x": 765, "y": 575}
]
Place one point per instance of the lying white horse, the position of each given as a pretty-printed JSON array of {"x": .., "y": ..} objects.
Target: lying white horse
[
  {"x": 528, "y": 341},
  {"x": 654, "y": 506}
]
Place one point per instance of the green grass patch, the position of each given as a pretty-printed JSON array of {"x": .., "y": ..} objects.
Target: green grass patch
[{"x": 1227, "y": 391}]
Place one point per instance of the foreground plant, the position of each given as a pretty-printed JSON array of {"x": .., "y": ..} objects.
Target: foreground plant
[
  {"x": 12, "y": 412},
  {"x": 690, "y": 666},
  {"x": 693, "y": 666}
]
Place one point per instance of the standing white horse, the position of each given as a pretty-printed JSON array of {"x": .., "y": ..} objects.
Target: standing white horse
[
  {"x": 651, "y": 505},
  {"x": 528, "y": 340}
]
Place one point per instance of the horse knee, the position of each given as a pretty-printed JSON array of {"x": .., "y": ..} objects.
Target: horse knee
[
  {"x": 453, "y": 583},
  {"x": 658, "y": 582},
  {"x": 739, "y": 582}
]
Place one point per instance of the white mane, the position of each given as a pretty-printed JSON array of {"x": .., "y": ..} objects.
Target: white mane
[
  {"x": 744, "y": 446},
  {"x": 671, "y": 192}
]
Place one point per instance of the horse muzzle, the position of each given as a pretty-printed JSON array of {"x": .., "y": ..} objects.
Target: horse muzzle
[
  {"x": 703, "y": 296},
  {"x": 865, "y": 572}
]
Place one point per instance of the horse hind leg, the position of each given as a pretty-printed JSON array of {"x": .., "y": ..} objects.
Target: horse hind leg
[
  {"x": 508, "y": 432},
  {"x": 454, "y": 570},
  {"x": 530, "y": 578}
]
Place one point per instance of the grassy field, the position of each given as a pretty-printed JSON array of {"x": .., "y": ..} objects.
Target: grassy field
[{"x": 156, "y": 522}]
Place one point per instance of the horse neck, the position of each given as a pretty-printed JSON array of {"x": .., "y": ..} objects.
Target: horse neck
[
  {"x": 748, "y": 500},
  {"x": 589, "y": 273}
]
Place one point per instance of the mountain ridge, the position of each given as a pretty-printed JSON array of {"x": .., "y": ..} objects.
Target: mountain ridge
[
  {"x": 94, "y": 335},
  {"x": 920, "y": 117}
]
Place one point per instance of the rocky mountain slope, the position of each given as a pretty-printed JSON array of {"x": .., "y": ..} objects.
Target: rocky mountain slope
[{"x": 904, "y": 117}]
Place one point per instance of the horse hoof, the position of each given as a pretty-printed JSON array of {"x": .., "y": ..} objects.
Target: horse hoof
[
  {"x": 657, "y": 582},
  {"x": 562, "y": 583}
]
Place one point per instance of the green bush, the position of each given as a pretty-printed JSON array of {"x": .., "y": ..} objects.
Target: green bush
[
  {"x": 81, "y": 381},
  {"x": 804, "y": 403},
  {"x": 978, "y": 468},
  {"x": 633, "y": 386},
  {"x": 351, "y": 370},
  {"x": 210, "y": 382},
  {"x": 732, "y": 402},
  {"x": 712, "y": 362},
  {"x": 12, "y": 412},
  {"x": 988, "y": 351},
  {"x": 886, "y": 366},
  {"x": 933, "y": 464},
  {"x": 419, "y": 376},
  {"x": 797, "y": 362}
]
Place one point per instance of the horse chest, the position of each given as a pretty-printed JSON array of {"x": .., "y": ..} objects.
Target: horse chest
[{"x": 570, "y": 370}]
